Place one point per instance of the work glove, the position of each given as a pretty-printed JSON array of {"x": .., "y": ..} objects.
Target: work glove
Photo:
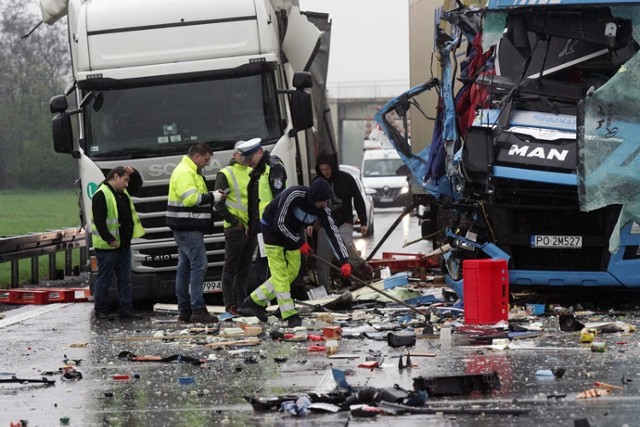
[
  {"x": 305, "y": 249},
  {"x": 217, "y": 196},
  {"x": 345, "y": 270}
]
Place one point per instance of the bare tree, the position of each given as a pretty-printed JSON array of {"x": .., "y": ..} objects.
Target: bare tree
[{"x": 34, "y": 68}]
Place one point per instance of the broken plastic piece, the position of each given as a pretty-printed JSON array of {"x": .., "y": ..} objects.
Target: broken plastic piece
[
  {"x": 269, "y": 403},
  {"x": 568, "y": 323},
  {"x": 396, "y": 340},
  {"x": 120, "y": 377},
  {"x": 400, "y": 364},
  {"x": 15, "y": 379},
  {"x": 458, "y": 384},
  {"x": 186, "y": 380},
  {"x": 298, "y": 407},
  {"x": 607, "y": 386},
  {"x": 557, "y": 373},
  {"x": 365, "y": 411},
  {"x": 592, "y": 393},
  {"x": 369, "y": 365}
]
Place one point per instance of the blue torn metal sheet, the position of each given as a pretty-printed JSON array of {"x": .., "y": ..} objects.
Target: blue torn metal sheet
[{"x": 398, "y": 279}]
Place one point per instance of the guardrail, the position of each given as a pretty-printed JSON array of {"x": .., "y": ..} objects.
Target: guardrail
[{"x": 32, "y": 246}]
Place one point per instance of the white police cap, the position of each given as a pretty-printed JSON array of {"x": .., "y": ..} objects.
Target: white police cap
[
  {"x": 249, "y": 147},
  {"x": 236, "y": 147}
]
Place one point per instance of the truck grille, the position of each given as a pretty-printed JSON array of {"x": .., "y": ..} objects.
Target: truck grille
[{"x": 515, "y": 221}]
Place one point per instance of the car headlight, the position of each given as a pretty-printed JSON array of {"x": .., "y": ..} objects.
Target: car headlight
[{"x": 404, "y": 190}]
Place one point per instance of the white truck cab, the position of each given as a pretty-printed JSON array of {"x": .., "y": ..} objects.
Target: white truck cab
[{"x": 151, "y": 78}]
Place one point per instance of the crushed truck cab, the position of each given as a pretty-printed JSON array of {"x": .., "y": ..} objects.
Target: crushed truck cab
[{"x": 534, "y": 157}]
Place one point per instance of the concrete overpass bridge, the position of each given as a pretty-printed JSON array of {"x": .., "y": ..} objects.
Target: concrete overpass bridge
[{"x": 353, "y": 105}]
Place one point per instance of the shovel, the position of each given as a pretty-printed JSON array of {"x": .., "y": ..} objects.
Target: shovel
[{"x": 362, "y": 282}]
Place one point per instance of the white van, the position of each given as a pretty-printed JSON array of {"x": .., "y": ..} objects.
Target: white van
[{"x": 382, "y": 171}]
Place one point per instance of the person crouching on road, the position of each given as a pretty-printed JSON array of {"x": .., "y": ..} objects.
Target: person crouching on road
[
  {"x": 190, "y": 216},
  {"x": 114, "y": 222},
  {"x": 283, "y": 227}
]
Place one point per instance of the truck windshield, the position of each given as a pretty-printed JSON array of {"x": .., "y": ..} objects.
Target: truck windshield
[
  {"x": 381, "y": 167},
  {"x": 159, "y": 120}
]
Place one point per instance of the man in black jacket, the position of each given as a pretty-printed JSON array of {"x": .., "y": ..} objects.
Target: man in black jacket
[
  {"x": 114, "y": 222},
  {"x": 283, "y": 226},
  {"x": 346, "y": 196}
]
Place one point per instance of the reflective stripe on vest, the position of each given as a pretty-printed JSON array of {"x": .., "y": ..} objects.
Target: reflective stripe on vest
[
  {"x": 238, "y": 179},
  {"x": 184, "y": 210}
]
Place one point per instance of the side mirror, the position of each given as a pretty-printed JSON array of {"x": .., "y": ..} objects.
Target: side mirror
[
  {"x": 302, "y": 80},
  {"x": 62, "y": 134},
  {"x": 58, "y": 104},
  {"x": 301, "y": 110}
]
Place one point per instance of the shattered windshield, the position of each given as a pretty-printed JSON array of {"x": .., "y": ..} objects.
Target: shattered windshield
[
  {"x": 610, "y": 149},
  {"x": 158, "y": 120}
]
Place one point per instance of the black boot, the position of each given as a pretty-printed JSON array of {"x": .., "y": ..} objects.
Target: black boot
[
  {"x": 184, "y": 315},
  {"x": 201, "y": 315},
  {"x": 251, "y": 308},
  {"x": 294, "y": 321}
]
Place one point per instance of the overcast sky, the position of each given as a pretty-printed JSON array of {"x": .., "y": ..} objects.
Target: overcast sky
[{"x": 369, "y": 38}]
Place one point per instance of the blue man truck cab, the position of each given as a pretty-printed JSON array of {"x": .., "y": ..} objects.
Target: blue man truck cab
[{"x": 536, "y": 158}]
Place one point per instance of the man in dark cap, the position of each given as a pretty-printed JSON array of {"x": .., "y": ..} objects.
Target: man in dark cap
[
  {"x": 346, "y": 197},
  {"x": 283, "y": 227},
  {"x": 266, "y": 180}
]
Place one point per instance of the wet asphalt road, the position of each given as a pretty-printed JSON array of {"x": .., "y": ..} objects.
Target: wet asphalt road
[{"x": 38, "y": 339}]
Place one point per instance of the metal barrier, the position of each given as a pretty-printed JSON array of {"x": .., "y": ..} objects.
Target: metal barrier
[{"x": 16, "y": 248}]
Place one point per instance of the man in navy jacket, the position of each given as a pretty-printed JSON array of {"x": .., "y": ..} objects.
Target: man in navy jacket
[{"x": 283, "y": 227}]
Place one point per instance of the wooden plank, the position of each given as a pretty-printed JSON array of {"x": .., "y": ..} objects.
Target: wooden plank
[{"x": 234, "y": 343}]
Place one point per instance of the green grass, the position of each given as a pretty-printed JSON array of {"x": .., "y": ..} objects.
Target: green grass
[{"x": 36, "y": 211}]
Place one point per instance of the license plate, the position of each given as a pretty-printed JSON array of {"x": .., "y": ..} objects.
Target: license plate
[
  {"x": 541, "y": 241},
  {"x": 386, "y": 199},
  {"x": 211, "y": 287}
]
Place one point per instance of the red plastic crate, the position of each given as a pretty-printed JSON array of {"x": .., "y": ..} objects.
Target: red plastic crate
[
  {"x": 41, "y": 296},
  {"x": 30, "y": 296},
  {"x": 68, "y": 294},
  {"x": 485, "y": 291},
  {"x": 5, "y": 296}
]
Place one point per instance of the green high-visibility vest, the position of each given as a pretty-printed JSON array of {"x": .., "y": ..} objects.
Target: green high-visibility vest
[
  {"x": 112, "y": 220},
  {"x": 238, "y": 179}
]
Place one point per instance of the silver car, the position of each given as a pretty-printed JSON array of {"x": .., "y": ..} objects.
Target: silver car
[{"x": 368, "y": 199}]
